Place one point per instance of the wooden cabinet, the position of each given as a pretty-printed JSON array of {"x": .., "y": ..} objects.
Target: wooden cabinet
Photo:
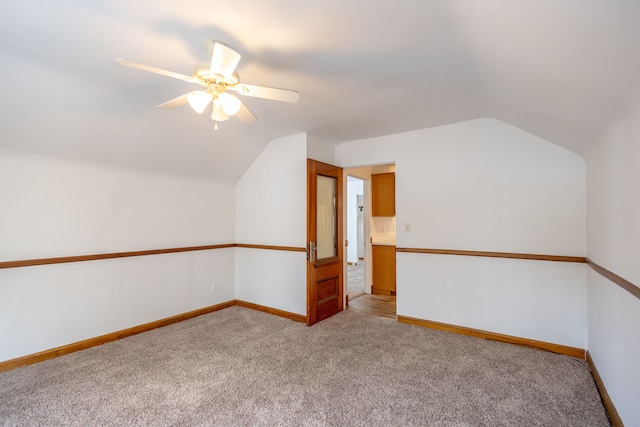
[
  {"x": 384, "y": 270},
  {"x": 383, "y": 194}
]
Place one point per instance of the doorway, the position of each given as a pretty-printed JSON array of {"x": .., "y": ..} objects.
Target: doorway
[
  {"x": 367, "y": 236},
  {"x": 355, "y": 238}
]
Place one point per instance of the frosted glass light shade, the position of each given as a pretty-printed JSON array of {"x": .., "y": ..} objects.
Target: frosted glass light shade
[
  {"x": 230, "y": 104},
  {"x": 199, "y": 100},
  {"x": 217, "y": 113}
]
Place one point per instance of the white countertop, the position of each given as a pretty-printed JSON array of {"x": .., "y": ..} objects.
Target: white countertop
[
  {"x": 383, "y": 243},
  {"x": 387, "y": 239}
]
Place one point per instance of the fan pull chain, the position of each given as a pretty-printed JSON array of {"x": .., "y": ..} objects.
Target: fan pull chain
[{"x": 216, "y": 125}]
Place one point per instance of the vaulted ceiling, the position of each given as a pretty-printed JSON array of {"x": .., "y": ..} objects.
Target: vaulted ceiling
[{"x": 563, "y": 70}]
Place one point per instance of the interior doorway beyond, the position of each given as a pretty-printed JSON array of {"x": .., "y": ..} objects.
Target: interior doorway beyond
[{"x": 356, "y": 238}]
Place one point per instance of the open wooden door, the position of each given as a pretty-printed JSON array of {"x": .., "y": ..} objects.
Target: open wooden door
[{"x": 324, "y": 241}]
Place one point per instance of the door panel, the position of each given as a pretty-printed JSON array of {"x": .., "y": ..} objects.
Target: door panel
[
  {"x": 324, "y": 237},
  {"x": 326, "y": 217}
]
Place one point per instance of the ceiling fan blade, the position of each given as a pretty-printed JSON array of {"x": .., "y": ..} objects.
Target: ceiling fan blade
[
  {"x": 224, "y": 60},
  {"x": 245, "y": 115},
  {"x": 159, "y": 71},
  {"x": 273, "y": 93},
  {"x": 175, "y": 102}
]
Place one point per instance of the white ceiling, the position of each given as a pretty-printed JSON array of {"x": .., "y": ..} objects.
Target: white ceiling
[{"x": 563, "y": 70}]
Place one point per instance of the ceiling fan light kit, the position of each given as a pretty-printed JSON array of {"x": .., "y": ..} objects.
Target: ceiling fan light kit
[
  {"x": 217, "y": 77},
  {"x": 230, "y": 104},
  {"x": 199, "y": 100}
]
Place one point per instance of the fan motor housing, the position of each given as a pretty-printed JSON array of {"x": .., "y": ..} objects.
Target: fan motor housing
[{"x": 203, "y": 72}]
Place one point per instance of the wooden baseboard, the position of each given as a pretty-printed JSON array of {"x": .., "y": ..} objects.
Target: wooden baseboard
[
  {"x": 616, "y": 421},
  {"x": 377, "y": 291},
  {"x": 274, "y": 311},
  {"x": 103, "y": 339},
  {"x": 555, "y": 348}
]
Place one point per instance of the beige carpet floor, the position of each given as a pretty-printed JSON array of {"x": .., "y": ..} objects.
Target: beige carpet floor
[{"x": 239, "y": 367}]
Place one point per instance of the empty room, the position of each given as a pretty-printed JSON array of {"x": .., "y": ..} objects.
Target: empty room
[{"x": 179, "y": 228}]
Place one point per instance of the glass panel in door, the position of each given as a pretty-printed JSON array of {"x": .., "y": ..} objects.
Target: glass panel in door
[{"x": 326, "y": 217}]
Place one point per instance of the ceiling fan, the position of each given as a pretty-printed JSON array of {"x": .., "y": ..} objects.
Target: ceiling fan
[{"x": 218, "y": 77}]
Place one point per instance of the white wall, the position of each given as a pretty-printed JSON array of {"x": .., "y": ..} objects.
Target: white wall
[
  {"x": 320, "y": 149},
  {"x": 382, "y": 225},
  {"x": 48, "y": 306},
  {"x": 275, "y": 279},
  {"x": 54, "y": 208},
  {"x": 271, "y": 195},
  {"x": 613, "y": 230},
  {"x": 271, "y": 210},
  {"x": 482, "y": 185},
  {"x": 271, "y": 206},
  {"x": 506, "y": 296},
  {"x": 485, "y": 185}
]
